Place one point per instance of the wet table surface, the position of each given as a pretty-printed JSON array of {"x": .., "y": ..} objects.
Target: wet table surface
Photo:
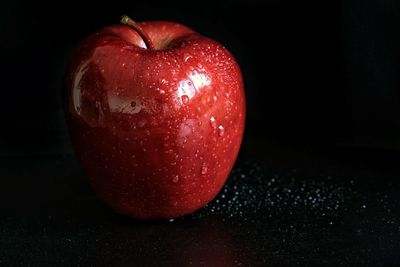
[{"x": 288, "y": 208}]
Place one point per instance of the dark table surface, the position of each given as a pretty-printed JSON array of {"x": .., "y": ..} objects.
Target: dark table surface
[{"x": 280, "y": 207}]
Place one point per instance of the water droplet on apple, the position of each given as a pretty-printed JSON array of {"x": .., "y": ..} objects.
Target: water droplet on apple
[
  {"x": 204, "y": 169},
  {"x": 175, "y": 179},
  {"x": 185, "y": 99},
  {"x": 213, "y": 123},
  {"x": 186, "y": 57},
  {"x": 221, "y": 130}
]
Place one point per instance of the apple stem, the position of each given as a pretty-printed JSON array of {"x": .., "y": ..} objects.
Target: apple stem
[{"x": 128, "y": 21}]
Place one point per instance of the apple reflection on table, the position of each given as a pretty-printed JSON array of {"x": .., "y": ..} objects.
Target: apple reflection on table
[{"x": 205, "y": 242}]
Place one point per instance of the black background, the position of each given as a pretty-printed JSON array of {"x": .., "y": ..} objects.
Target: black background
[{"x": 322, "y": 87}]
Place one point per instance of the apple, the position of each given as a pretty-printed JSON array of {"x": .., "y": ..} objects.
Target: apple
[{"x": 156, "y": 114}]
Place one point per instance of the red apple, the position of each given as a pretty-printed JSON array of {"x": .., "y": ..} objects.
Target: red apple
[{"x": 156, "y": 114}]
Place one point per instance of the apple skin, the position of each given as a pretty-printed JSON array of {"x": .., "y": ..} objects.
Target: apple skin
[{"x": 157, "y": 131}]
